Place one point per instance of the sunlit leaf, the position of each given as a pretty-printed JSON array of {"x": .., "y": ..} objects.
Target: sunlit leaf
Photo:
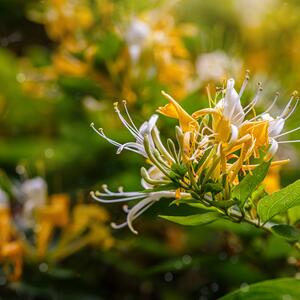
[
  {"x": 250, "y": 182},
  {"x": 279, "y": 202}
]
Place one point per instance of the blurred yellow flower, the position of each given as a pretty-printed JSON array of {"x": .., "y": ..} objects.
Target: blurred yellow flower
[
  {"x": 56, "y": 214},
  {"x": 272, "y": 180},
  {"x": 11, "y": 249}
]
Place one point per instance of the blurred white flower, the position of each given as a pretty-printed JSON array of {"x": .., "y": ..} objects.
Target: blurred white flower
[
  {"x": 136, "y": 36},
  {"x": 34, "y": 194},
  {"x": 252, "y": 13},
  {"x": 216, "y": 66},
  {"x": 4, "y": 203}
]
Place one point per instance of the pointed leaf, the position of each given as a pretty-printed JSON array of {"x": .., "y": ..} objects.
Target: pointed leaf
[
  {"x": 194, "y": 220},
  {"x": 279, "y": 202},
  {"x": 277, "y": 289},
  {"x": 250, "y": 182},
  {"x": 287, "y": 232}
]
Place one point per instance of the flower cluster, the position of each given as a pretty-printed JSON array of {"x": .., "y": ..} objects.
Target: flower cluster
[
  {"x": 27, "y": 232},
  {"x": 113, "y": 52},
  {"x": 215, "y": 148}
]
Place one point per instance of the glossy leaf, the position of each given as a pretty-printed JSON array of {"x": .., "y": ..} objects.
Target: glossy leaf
[{"x": 279, "y": 202}]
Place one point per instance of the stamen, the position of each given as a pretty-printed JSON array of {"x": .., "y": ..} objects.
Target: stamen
[
  {"x": 250, "y": 106},
  {"x": 109, "y": 193},
  {"x": 126, "y": 209},
  {"x": 118, "y": 226},
  {"x": 273, "y": 103},
  {"x": 106, "y": 190},
  {"x": 289, "y": 107},
  {"x": 128, "y": 115},
  {"x": 101, "y": 133},
  {"x": 210, "y": 101},
  {"x": 285, "y": 133},
  {"x": 247, "y": 77},
  {"x": 269, "y": 108},
  {"x": 287, "y": 142},
  {"x": 293, "y": 109},
  {"x": 124, "y": 194},
  {"x": 115, "y": 200},
  {"x": 132, "y": 130},
  {"x": 137, "y": 210},
  {"x": 132, "y": 146}
]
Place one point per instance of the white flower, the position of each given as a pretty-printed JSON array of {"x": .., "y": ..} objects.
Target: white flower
[
  {"x": 139, "y": 134},
  {"x": 231, "y": 104},
  {"x": 232, "y": 109},
  {"x": 146, "y": 201},
  {"x": 276, "y": 125},
  {"x": 136, "y": 36},
  {"x": 34, "y": 194},
  {"x": 216, "y": 65}
]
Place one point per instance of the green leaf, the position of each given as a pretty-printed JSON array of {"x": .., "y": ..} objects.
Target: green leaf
[
  {"x": 287, "y": 232},
  {"x": 194, "y": 220},
  {"x": 277, "y": 289},
  {"x": 249, "y": 183},
  {"x": 279, "y": 202}
]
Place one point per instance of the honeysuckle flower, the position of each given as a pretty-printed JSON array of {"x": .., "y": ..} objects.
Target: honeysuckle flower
[
  {"x": 214, "y": 148},
  {"x": 228, "y": 114},
  {"x": 34, "y": 195},
  {"x": 139, "y": 134},
  {"x": 146, "y": 200}
]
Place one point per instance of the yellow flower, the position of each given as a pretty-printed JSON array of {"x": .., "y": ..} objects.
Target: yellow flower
[
  {"x": 66, "y": 64},
  {"x": 56, "y": 214},
  {"x": 272, "y": 180},
  {"x": 12, "y": 253},
  {"x": 11, "y": 249},
  {"x": 87, "y": 227},
  {"x": 174, "y": 110}
]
